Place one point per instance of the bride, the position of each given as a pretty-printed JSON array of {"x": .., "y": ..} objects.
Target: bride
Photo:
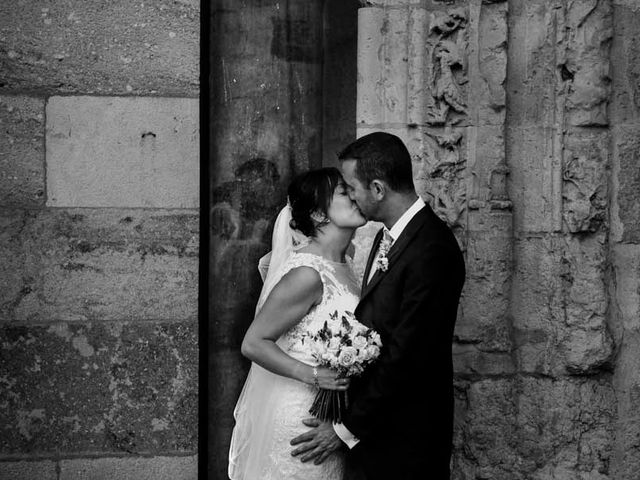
[{"x": 308, "y": 278}]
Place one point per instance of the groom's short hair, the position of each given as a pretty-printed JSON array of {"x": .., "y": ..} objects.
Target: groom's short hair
[{"x": 381, "y": 156}]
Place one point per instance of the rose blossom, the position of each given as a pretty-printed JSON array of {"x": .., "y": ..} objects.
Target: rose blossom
[
  {"x": 334, "y": 345},
  {"x": 347, "y": 356},
  {"x": 359, "y": 342},
  {"x": 373, "y": 351}
]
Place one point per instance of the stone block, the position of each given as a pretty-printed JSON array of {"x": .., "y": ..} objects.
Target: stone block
[
  {"x": 525, "y": 428},
  {"x": 74, "y": 46},
  {"x": 565, "y": 426},
  {"x": 126, "y": 468},
  {"x": 531, "y": 67},
  {"x": 110, "y": 388},
  {"x": 382, "y": 66},
  {"x": 21, "y": 151},
  {"x": 559, "y": 305},
  {"x": 627, "y": 454},
  {"x": 585, "y": 62},
  {"x": 485, "y": 437},
  {"x": 471, "y": 360},
  {"x": 559, "y": 62},
  {"x": 625, "y": 63},
  {"x": 100, "y": 265},
  {"x": 122, "y": 152},
  {"x": 13, "y": 277},
  {"x": 535, "y": 178},
  {"x": 585, "y": 178},
  {"x": 28, "y": 470},
  {"x": 486, "y": 164},
  {"x": 626, "y": 263},
  {"x": 485, "y": 318},
  {"x": 488, "y": 63},
  {"x": 626, "y": 183}
]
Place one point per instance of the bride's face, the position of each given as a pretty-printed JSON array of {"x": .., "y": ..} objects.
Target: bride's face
[{"x": 343, "y": 212}]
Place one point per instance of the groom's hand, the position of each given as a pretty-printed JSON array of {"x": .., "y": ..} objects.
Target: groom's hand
[{"x": 318, "y": 443}]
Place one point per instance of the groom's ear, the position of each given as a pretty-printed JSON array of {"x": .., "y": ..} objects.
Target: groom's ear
[{"x": 378, "y": 189}]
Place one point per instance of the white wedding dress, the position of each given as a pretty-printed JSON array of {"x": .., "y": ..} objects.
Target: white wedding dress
[{"x": 271, "y": 408}]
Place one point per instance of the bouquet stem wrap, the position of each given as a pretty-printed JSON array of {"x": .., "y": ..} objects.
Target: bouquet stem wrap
[{"x": 330, "y": 405}]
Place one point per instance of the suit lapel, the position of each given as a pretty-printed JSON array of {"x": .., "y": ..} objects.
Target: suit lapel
[
  {"x": 372, "y": 256},
  {"x": 396, "y": 249}
]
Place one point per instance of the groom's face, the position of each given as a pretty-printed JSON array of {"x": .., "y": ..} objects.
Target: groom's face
[{"x": 358, "y": 192}]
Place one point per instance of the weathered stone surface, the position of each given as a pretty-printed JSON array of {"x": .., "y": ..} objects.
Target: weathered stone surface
[
  {"x": 534, "y": 428},
  {"x": 382, "y": 66},
  {"x": 625, "y": 63},
  {"x": 531, "y": 67},
  {"x": 485, "y": 321},
  {"x": 559, "y": 63},
  {"x": 122, "y": 152},
  {"x": 156, "y": 468},
  {"x": 565, "y": 428},
  {"x": 488, "y": 64},
  {"x": 626, "y": 181},
  {"x": 485, "y": 440},
  {"x": 626, "y": 264},
  {"x": 107, "y": 264},
  {"x": 87, "y": 387},
  {"x": 559, "y": 302},
  {"x": 28, "y": 470},
  {"x": 13, "y": 278},
  {"x": 75, "y": 46},
  {"x": 584, "y": 63},
  {"x": 535, "y": 179},
  {"x": 585, "y": 169},
  {"x": 21, "y": 151}
]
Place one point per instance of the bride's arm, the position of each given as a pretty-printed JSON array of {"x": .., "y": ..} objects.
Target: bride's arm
[{"x": 290, "y": 300}]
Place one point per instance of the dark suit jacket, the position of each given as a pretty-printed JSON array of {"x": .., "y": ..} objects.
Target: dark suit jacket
[{"x": 401, "y": 408}]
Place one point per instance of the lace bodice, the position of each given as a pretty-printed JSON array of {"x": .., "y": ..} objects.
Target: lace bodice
[{"x": 340, "y": 292}]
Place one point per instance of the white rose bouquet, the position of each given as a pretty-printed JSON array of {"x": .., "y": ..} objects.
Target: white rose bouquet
[{"x": 345, "y": 345}]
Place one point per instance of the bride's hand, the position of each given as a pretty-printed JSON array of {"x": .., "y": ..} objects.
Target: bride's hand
[{"x": 328, "y": 379}]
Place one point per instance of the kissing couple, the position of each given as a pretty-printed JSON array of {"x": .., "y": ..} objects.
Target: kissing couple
[{"x": 398, "y": 421}]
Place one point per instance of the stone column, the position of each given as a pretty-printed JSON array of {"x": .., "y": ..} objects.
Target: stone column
[
  {"x": 266, "y": 118},
  {"x": 625, "y": 233}
]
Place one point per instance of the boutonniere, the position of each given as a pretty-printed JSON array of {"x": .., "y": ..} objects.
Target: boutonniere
[{"x": 382, "y": 263}]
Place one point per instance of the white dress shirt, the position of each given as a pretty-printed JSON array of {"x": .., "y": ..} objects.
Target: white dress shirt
[{"x": 343, "y": 432}]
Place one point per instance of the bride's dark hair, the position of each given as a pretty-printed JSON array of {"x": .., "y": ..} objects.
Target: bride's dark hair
[{"x": 311, "y": 192}]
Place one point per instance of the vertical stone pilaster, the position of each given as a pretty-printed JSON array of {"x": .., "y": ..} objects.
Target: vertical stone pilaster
[{"x": 625, "y": 233}]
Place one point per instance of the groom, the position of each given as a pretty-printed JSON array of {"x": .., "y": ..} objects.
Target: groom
[{"x": 400, "y": 418}]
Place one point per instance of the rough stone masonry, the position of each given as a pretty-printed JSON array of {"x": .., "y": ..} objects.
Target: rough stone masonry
[
  {"x": 99, "y": 239},
  {"x": 522, "y": 119}
]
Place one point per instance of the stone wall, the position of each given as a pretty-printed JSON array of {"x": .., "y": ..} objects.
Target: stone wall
[
  {"x": 522, "y": 120},
  {"x": 99, "y": 237}
]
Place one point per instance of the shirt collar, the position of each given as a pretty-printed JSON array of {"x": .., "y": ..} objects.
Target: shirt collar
[{"x": 406, "y": 217}]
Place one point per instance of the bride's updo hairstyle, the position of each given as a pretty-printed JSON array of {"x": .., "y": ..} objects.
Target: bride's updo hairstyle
[{"x": 311, "y": 192}]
